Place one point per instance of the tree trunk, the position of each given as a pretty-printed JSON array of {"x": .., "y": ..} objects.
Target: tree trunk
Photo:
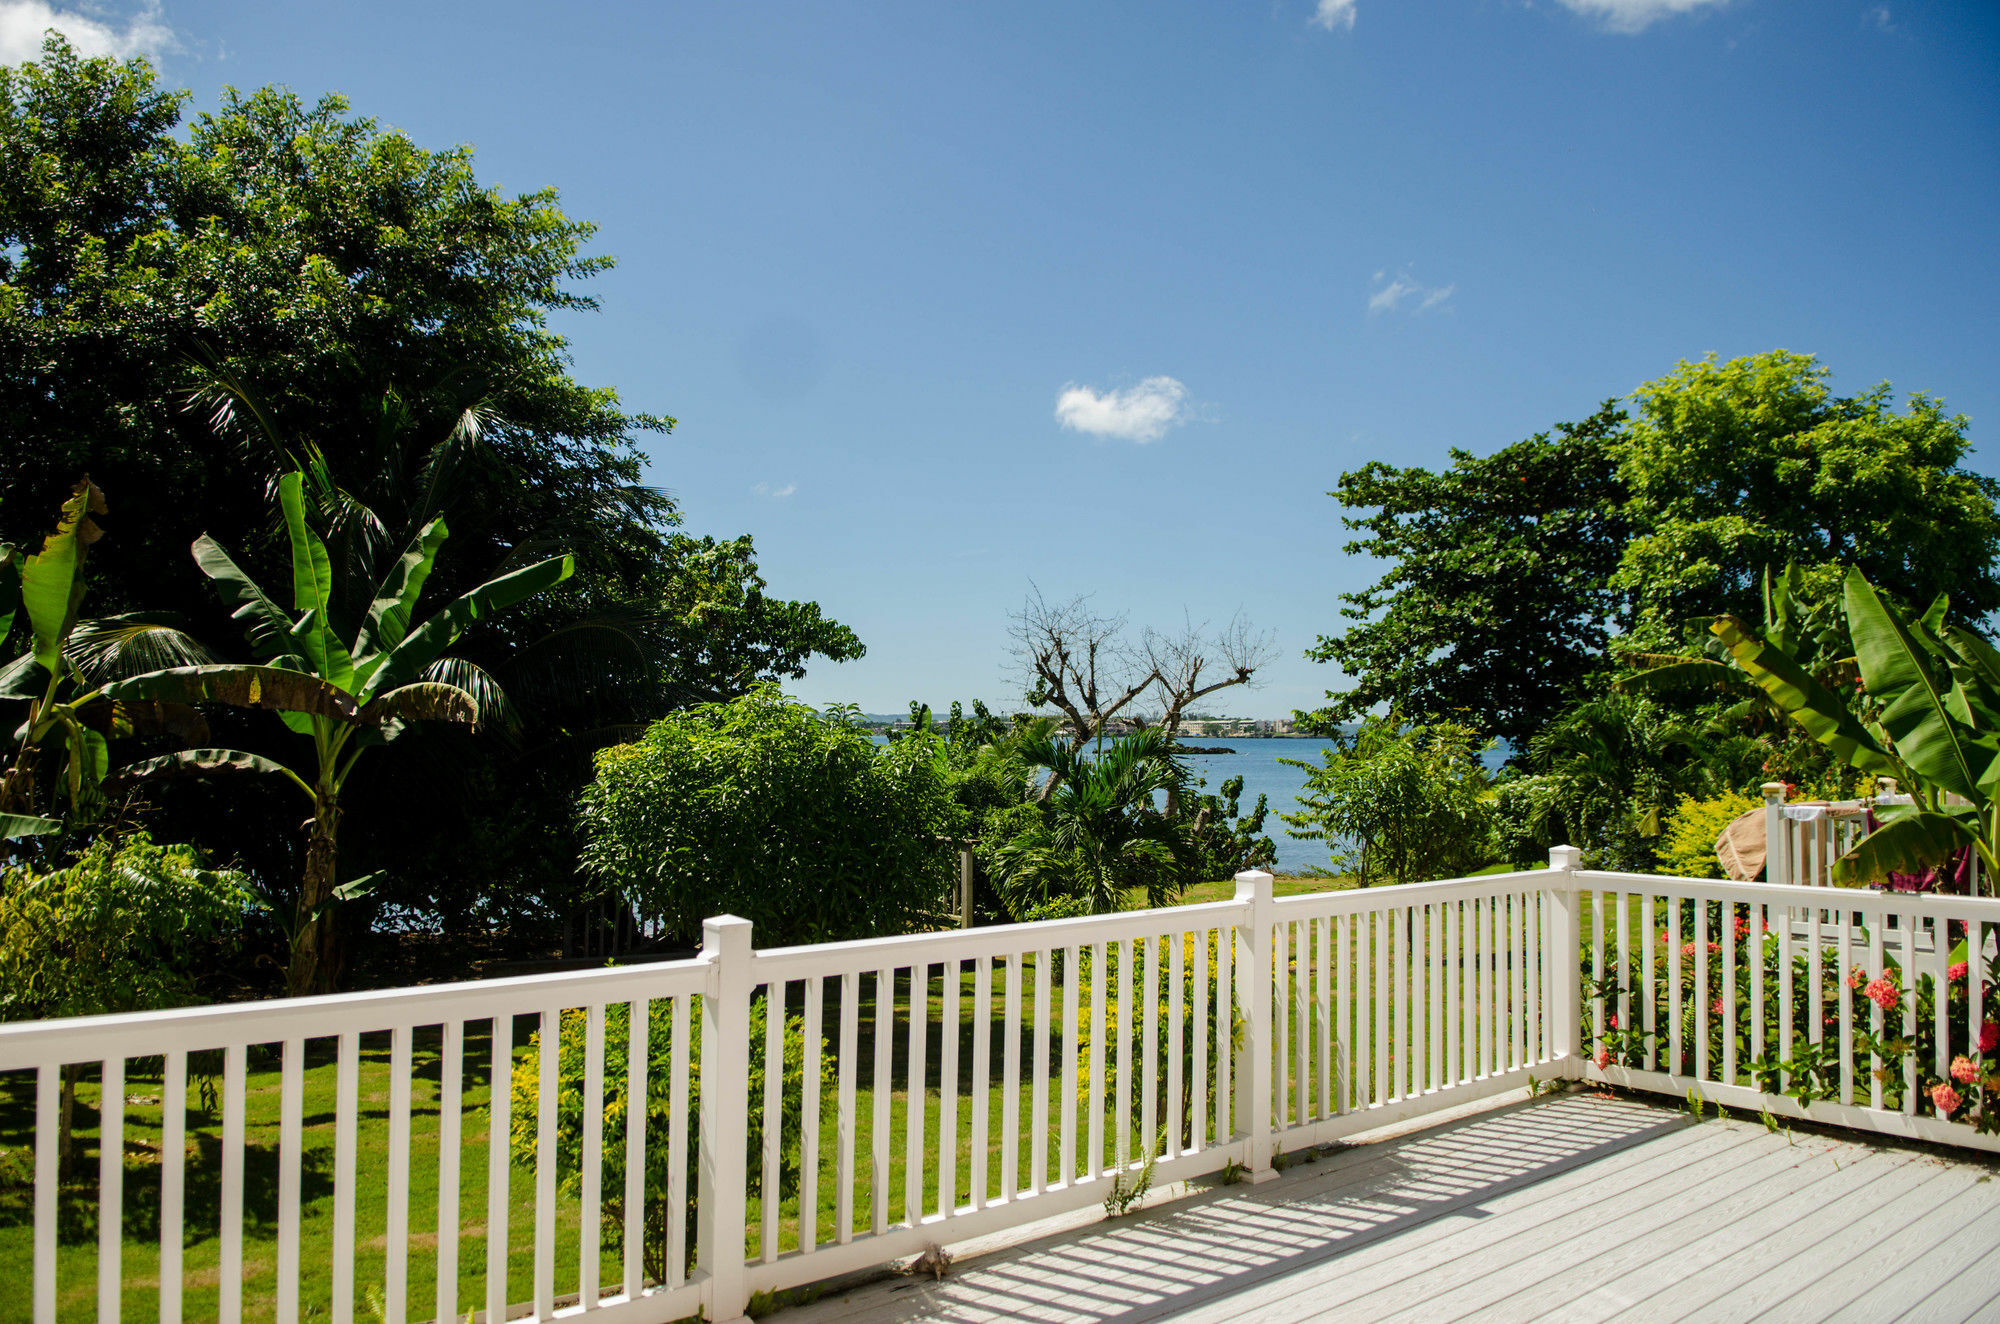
[{"x": 312, "y": 965}]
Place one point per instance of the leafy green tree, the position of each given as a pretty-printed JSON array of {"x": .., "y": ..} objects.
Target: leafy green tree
[
  {"x": 1734, "y": 466},
  {"x": 1097, "y": 835},
  {"x": 1511, "y": 576},
  {"x": 390, "y": 316},
  {"x": 1495, "y": 606},
  {"x": 1412, "y": 800},
  {"x": 343, "y": 696},
  {"x": 763, "y": 808},
  {"x": 1616, "y": 765}
]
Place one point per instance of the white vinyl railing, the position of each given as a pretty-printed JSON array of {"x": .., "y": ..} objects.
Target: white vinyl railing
[{"x": 807, "y": 1111}]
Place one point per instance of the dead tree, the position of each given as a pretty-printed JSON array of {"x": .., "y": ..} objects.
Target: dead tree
[
  {"x": 1078, "y": 662},
  {"x": 1195, "y": 662}
]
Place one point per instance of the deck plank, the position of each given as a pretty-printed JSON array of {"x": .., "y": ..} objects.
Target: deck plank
[{"x": 1580, "y": 1206}]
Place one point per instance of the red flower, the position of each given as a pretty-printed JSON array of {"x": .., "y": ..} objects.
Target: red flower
[
  {"x": 1956, "y": 972},
  {"x": 1964, "y": 1070},
  {"x": 1989, "y": 1037},
  {"x": 1603, "y": 1058},
  {"x": 1945, "y": 1099}
]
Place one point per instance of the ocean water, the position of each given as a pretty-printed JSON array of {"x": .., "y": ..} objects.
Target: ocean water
[{"x": 1256, "y": 761}]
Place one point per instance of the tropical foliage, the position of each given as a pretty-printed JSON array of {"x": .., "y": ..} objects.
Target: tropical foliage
[
  {"x": 129, "y": 925},
  {"x": 1096, "y": 830},
  {"x": 342, "y": 684},
  {"x": 196, "y": 304},
  {"x": 1931, "y": 719}
]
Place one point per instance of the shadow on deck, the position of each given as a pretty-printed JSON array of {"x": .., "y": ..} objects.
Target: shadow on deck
[{"x": 1578, "y": 1205}]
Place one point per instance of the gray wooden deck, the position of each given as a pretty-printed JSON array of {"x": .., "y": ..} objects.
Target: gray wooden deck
[{"x": 1576, "y": 1206}]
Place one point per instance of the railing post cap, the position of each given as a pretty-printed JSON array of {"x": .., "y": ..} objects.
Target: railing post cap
[
  {"x": 1254, "y": 885},
  {"x": 1565, "y": 858},
  {"x": 720, "y": 931},
  {"x": 1774, "y": 792}
]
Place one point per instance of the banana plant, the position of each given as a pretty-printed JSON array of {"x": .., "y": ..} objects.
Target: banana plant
[
  {"x": 344, "y": 691},
  {"x": 1809, "y": 633},
  {"x": 69, "y": 720},
  {"x": 1932, "y": 722}
]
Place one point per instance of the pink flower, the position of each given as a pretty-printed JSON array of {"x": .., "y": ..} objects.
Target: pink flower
[
  {"x": 1612, "y": 1020},
  {"x": 1989, "y": 1036},
  {"x": 1603, "y": 1058},
  {"x": 1854, "y": 977},
  {"x": 1687, "y": 949},
  {"x": 1945, "y": 1099},
  {"x": 1742, "y": 928},
  {"x": 1882, "y": 993},
  {"x": 1957, "y": 971},
  {"x": 1715, "y": 1008},
  {"x": 1964, "y": 1070}
]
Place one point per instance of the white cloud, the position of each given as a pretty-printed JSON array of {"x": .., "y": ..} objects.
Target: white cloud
[
  {"x": 1879, "y": 16},
  {"x": 1333, "y": 14},
  {"x": 1404, "y": 292},
  {"x": 22, "y": 23},
  {"x": 1140, "y": 413},
  {"x": 766, "y": 489},
  {"x": 1635, "y": 15}
]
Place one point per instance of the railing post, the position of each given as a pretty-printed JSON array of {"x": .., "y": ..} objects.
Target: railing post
[
  {"x": 1564, "y": 960},
  {"x": 722, "y": 1202},
  {"x": 1256, "y": 982},
  {"x": 965, "y": 867},
  {"x": 1777, "y": 841}
]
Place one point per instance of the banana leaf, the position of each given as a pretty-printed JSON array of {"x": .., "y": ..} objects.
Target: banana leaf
[
  {"x": 52, "y": 580},
  {"x": 27, "y": 825},
  {"x": 1903, "y": 668},
  {"x": 406, "y": 661},
  {"x": 200, "y": 762},
  {"x": 1911, "y": 843},
  {"x": 265, "y": 624},
  {"x": 396, "y": 598},
  {"x": 312, "y": 590},
  {"x": 424, "y": 701},
  {"x": 240, "y": 687},
  {"x": 1809, "y": 703}
]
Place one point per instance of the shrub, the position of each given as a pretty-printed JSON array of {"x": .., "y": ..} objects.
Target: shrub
[
  {"x": 526, "y": 1094},
  {"x": 1411, "y": 799},
  {"x": 1687, "y": 849},
  {"x": 763, "y": 808},
  {"x": 127, "y": 927}
]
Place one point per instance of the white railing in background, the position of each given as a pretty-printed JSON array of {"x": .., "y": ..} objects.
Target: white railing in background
[{"x": 838, "y": 1106}]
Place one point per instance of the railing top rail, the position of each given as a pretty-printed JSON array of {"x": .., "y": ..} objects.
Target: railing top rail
[
  {"x": 1411, "y": 894},
  {"x": 992, "y": 940},
  {"x": 138, "y": 1034},
  {"x": 1928, "y": 905}
]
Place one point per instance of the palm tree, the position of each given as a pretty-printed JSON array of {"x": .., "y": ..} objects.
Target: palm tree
[
  {"x": 345, "y": 697},
  {"x": 1099, "y": 834}
]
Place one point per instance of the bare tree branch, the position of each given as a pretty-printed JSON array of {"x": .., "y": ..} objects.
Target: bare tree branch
[
  {"x": 1183, "y": 661},
  {"x": 1078, "y": 662}
]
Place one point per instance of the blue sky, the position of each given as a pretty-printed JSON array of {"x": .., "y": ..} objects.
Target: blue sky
[{"x": 866, "y": 252}]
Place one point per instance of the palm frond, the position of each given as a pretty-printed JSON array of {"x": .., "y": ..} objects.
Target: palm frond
[{"x": 117, "y": 647}]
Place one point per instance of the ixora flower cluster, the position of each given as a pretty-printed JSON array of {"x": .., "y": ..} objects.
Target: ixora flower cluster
[
  {"x": 1969, "y": 1088},
  {"x": 1932, "y": 1049}
]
